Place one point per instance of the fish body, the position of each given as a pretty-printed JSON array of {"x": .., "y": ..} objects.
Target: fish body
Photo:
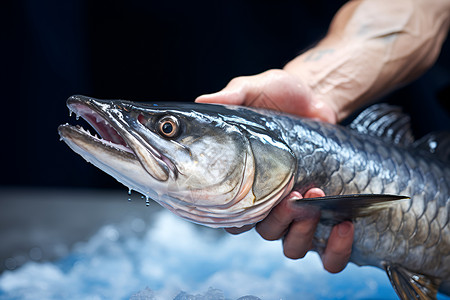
[
  {"x": 414, "y": 233},
  {"x": 227, "y": 166}
]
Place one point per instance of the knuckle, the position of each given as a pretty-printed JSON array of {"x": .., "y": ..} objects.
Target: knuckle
[
  {"x": 238, "y": 80},
  {"x": 340, "y": 255},
  {"x": 305, "y": 228}
]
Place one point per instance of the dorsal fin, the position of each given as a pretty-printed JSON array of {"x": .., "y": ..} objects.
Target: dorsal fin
[
  {"x": 385, "y": 121},
  {"x": 437, "y": 143},
  {"x": 411, "y": 285}
]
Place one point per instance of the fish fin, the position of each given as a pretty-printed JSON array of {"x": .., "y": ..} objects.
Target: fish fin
[
  {"x": 385, "y": 121},
  {"x": 437, "y": 143},
  {"x": 411, "y": 285},
  {"x": 336, "y": 209}
]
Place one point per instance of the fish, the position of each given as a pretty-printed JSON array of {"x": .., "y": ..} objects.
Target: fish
[{"x": 228, "y": 166}]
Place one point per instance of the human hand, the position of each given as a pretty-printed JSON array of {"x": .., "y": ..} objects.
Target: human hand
[
  {"x": 297, "y": 225},
  {"x": 273, "y": 89},
  {"x": 279, "y": 90}
]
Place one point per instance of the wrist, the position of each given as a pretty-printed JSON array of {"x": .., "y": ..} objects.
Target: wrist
[{"x": 321, "y": 105}]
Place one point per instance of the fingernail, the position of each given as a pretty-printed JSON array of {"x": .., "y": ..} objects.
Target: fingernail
[
  {"x": 344, "y": 229},
  {"x": 294, "y": 198}
]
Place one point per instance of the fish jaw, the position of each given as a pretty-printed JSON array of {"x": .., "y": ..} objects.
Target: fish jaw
[
  {"x": 127, "y": 156},
  {"x": 176, "y": 172},
  {"x": 118, "y": 153},
  {"x": 114, "y": 159}
]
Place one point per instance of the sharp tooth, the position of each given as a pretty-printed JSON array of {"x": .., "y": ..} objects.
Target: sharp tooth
[
  {"x": 70, "y": 113},
  {"x": 77, "y": 116}
]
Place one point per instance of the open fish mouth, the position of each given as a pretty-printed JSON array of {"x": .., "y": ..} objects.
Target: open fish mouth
[
  {"x": 114, "y": 136},
  {"x": 108, "y": 135}
]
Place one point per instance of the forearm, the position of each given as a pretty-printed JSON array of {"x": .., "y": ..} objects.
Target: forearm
[{"x": 372, "y": 47}]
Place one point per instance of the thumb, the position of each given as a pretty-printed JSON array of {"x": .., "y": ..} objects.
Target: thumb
[
  {"x": 224, "y": 97},
  {"x": 234, "y": 93}
]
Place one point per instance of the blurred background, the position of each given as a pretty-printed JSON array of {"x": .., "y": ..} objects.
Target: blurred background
[{"x": 141, "y": 51}]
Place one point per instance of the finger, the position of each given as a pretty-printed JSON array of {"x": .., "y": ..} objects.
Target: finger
[
  {"x": 314, "y": 193},
  {"x": 339, "y": 247},
  {"x": 298, "y": 240},
  {"x": 239, "y": 230},
  {"x": 275, "y": 225},
  {"x": 234, "y": 93},
  {"x": 223, "y": 97}
]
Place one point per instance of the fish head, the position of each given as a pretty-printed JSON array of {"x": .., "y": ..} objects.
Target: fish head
[{"x": 191, "y": 158}]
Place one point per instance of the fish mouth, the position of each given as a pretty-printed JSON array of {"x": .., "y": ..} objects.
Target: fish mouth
[{"x": 114, "y": 135}]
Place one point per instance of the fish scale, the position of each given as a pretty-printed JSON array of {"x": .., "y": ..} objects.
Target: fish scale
[
  {"x": 356, "y": 166},
  {"x": 229, "y": 166}
]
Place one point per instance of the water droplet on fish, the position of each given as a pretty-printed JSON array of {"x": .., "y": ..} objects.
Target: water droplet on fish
[{"x": 129, "y": 194}]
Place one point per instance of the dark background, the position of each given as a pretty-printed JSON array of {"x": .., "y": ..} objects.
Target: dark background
[{"x": 151, "y": 51}]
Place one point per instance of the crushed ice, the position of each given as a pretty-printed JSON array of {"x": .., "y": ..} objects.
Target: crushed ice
[{"x": 178, "y": 260}]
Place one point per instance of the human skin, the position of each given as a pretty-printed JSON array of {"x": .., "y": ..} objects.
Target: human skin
[{"x": 371, "y": 48}]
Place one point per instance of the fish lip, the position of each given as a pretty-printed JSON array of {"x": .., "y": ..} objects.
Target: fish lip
[
  {"x": 86, "y": 108},
  {"x": 90, "y": 109},
  {"x": 71, "y": 131}
]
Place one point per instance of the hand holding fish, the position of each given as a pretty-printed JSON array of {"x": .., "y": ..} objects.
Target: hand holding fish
[
  {"x": 296, "y": 225},
  {"x": 357, "y": 61},
  {"x": 279, "y": 90},
  {"x": 274, "y": 89},
  {"x": 254, "y": 158},
  {"x": 231, "y": 166}
]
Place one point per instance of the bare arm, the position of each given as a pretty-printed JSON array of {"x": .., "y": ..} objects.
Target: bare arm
[{"x": 372, "y": 47}]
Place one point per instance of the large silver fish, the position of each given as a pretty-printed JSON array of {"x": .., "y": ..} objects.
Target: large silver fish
[{"x": 225, "y": 166}]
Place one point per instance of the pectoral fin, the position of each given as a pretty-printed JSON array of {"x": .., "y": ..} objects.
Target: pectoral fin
[
  {"x": 335, "y": 209},
  {"x": 410, "y": 285}
]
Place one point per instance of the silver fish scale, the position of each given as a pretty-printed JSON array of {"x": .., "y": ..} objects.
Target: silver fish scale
[{"x": 415, "y": 233}]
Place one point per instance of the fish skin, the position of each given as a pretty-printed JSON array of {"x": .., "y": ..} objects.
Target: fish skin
[{"x": 414, "y": 234}]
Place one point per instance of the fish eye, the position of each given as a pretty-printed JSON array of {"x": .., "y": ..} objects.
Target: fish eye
[{"x": 168, "y": 126}]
